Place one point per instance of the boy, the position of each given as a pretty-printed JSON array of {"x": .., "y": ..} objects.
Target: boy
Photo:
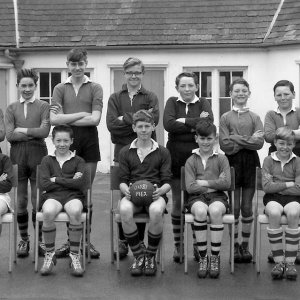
[
  {"x": 281, "y": 183},
  {"x": 144, "y": 159},
  {"x": 27, "y": 124},
  {"x": 121, "y": 106},
  {"x": 241, "y": 135},
  {"x": 62, "y": 178},
  {"x": 78, "y": 103},
  {"x": 207, "y": 175}
]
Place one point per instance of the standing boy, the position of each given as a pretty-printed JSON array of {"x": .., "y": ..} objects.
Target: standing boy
[
  {"x": 241, "y": 135},
  {"x": 78, "y": 103},
  {"x": 27, "y": 124},
  {"x": 144, "y": 159},
  {"x": 121, "y": 107},
  {"x": 207, "y": 175}
]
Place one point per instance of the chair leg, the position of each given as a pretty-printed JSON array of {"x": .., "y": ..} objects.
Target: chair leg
[
  {"x": 15, "y": 238},
  {"x": 36, "y": 246},
  {"x": 117, "y": 249},
  {"x": 185, "y": 248},
  {"x": 111, "y": 238},
  {"x": 232, "y": 248},
  {"x": 258, "y": 248},
  {"x": 162, "y": 253},
  {"x": 10, "y": 230},
  {"x": 83, "y": 243},
  {"x": 88, "y": 238}
]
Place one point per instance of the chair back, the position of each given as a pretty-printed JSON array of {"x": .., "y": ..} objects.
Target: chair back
[
  {"x": 114, "y": 178},
  {"x": 258, "y": 179}
]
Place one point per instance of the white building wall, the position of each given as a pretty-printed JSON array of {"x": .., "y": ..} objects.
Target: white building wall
[{"x": 264, "y": 69}]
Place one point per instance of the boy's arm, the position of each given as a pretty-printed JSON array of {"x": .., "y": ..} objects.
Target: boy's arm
[
  {"x": 92, "y": 120},
  {"x": 42, "y": 131},
  {"x": 224, "y": 181},
  {"x": 191, "y": 184},
  {"x": 7, "y": 175},
  {"x": 11, "y": 134},
  {"x": 270, "y": 127},
  {"x": 45, "y": 176},
  {"x": 294, "y": 189},
  {"x": 165, "y": 167}
]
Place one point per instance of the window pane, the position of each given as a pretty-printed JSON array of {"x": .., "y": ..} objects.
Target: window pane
[
  {"x": 236, "y": 75},
  {"x": 44, "y": 84},
  {"x": 206, "y": 84},
  {"x": 55, "y": 79},
  {"x": 224, "y": 84},
  {"x": 225, "y": 105}
]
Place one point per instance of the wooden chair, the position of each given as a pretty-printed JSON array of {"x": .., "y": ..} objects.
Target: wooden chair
[
  {"x": 116, "y": 217},
  {"x": 62, "y": 217},
  {"x": 227, "y": 219},
  {"x": 10, "y": 218}
]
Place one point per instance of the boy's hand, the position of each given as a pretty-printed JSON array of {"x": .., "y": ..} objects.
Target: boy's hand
[
  {"x": 127, "y": 192},
  {"x": 204, "y": 114},
  {"x": 202, "y": 182},
  {"x": 290, "y": 184},
  {"x": 222, "y": 176},
  {"x": 157, "y": 193},
  {"x": 52, "y": 179},
  {"x": 3, "y": 177},
  {"x": 258, "y": 134},
  {"x": 77, "y": 175},
  {"x": 181, "y": 120},
  {"x": 56, "y": 108},
  {"x": 120, "y": 118}
]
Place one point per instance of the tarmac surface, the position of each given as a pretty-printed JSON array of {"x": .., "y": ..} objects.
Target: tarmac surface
[{"x": 102, "y": 281}]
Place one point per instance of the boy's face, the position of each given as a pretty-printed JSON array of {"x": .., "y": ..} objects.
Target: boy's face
[
  {"x": 187, "y": 88},
  {"x": 284, "y": 97},
  {"x": 77, "y": 68},
  {"x": 143, "y": 130},
  {"x": 240, "y": 94},
  {"x": 206, "y": 143},
  {"x": 284, "y": 148},
  {"x": 27, "y": 87},
  {"x": 133, "y": 76},
  {"x": 62, "y": 142}
]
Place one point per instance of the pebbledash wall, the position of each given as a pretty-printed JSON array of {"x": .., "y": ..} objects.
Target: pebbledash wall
[{"x": 262, "y": 68}]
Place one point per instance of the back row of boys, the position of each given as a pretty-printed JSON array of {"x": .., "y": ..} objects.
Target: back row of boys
[{"x": 78, "y": 103}]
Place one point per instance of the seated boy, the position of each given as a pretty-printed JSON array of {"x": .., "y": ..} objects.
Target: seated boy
[
  {"x": 207, "y": 175},
  {"x": 6, "y": 178},
  {"x": 144, "y": 159},
  {"x": 63, "y": 179},
  {"x": 281, "y": 183}
]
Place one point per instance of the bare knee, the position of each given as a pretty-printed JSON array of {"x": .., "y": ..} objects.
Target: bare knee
[{"x": 155, "y": 213}]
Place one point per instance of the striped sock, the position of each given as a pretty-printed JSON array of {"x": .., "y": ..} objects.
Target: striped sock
[
  {"x": 216, "y": 232},
  {"x": 246, "y": 230},
  {"x": 33, "y": 218},
  {"x": 75, "y": 233},
  {"x": 176, "y": 229},
  {"x": 153, "y": 242},
  {"x": 275, "y": 239},
  {"x": 194, "y": 235},
  {"x": 201, "y": 236},
  {"x": 49, "y": 237},
  {"x": 134, "y": 242},
  {"x": 236, "y": 230},
  {"x": 22, "y": 219},
  {"x": 291, "y": 244}
]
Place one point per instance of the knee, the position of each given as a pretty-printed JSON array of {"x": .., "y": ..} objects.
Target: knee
[
  {"x": 200, "y": 214},
  {"x": 155, "y": 213},
  {"x": 293, "y": 215},
  {"x": 215, "y": 213},
  {"x": 126, "y": 213},
  {"x": 246, "y": 211},
  {"x": 48, "y": 215},
  {"x": 275, "y": 215},
  {"x": 75, "y": 214}
]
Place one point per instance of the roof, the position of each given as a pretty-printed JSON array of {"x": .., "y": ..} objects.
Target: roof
[{"x": 117, "y": 23}]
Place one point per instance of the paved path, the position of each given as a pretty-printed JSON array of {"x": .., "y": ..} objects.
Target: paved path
[{"x": 102, "y": 281}]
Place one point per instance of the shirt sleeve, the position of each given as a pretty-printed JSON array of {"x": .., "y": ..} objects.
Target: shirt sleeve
[
  {"x": 58, "y": 94},
  {"x": 165, "y": 168},
  {"x": 45, "y": 175},
  {"x": 270, "y": 127},
  {"x": 124, "y": 167},
  {"x": 97, "y": 94}
]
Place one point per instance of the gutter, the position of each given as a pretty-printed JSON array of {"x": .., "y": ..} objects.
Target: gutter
[{"x": 16, "y": 23}]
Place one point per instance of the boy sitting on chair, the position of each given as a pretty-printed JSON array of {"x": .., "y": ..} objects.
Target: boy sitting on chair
[
  {"x": 207, "y": 175},
  {"x": 144, "y": 159},
  {"x": 281, "y": 183},
  {"x": 64, "y": 182}
]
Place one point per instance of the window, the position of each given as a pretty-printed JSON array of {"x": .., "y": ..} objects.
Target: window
[{"x": 214, "y": 86}]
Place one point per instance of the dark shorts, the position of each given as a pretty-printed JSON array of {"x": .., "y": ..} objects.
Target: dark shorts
[
  {"x": 281, "y": 199},
  {"x": 208, "y": 199},
  {"x": 86, "y": 143},
  {"x": 244, "y": 162},
  {"x": 27, "y": 155}
]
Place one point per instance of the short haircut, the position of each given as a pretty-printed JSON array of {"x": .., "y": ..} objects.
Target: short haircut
[
  {"x": 186, "y": 74},
  {"x": 205, "y": 127},
  {"x": 62, "y": 128},
  {"x": 133, "y": 61},
  {"x": 284, "y": 83},
  {"x": 77, "y": 54},
  {"x": 27, "y": 73},
  {"x": 239, "y": 81},
  {"x": 143, "y": 116},
  {"x": 284, "y": 133}
]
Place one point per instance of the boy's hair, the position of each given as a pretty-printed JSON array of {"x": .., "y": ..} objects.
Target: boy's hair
[
  {"x": 284, "y": 133},
  {"x": 186, "y": 74},
  {"x": 133, "y": 61},
  {"x": 62, "y": 128},
  {"x": 205, "y": 128},
  {"x": 284, "y": 83},
  {"x": 28, "y": 73},
  {"x": 239, "y": 81},
  {"x": 143, "y": 116},
  {"x": 77, "y": 54}
]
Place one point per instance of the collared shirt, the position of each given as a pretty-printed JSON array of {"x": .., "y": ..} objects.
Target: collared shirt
[
  {"x": 275, "y": 157},
  {"x": 22, "y": 100},
  {"x": 69, "y": 80},
  {"x": 196, "y": 99},
  {"x": 62, "y": 161},
  {"x": 197, "y": 152},
  {"x": 240, "y": 110},
  {"x": 142, "y": 156},
  {"x": 277, "y": 110},
  {"x": 132, "y": 95}
]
